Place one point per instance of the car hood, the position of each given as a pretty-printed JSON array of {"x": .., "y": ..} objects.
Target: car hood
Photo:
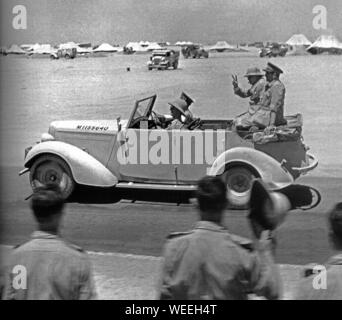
[{"x": 100, "y": 126}]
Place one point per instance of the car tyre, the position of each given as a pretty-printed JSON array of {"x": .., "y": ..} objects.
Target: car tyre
[
  {"x": 52, "y": 169},
  {"x": 239, "y": 183}
]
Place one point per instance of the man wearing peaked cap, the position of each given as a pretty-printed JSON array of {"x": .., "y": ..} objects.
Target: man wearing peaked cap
[
  {"x": 272, "y": 102},
  {"x": 273, "y": 68},
  {"x": 189, "y": 101}
]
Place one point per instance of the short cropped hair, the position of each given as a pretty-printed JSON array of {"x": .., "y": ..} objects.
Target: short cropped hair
[
  {"x": 335, "y": 220},
  {"x": 211, "y": 194},
  {"x": 47, "y": 201}
]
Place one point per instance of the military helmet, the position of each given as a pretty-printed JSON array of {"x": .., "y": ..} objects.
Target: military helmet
[
  {"x": 254, "y": 71},
  {"x": 180, "y": 105}
]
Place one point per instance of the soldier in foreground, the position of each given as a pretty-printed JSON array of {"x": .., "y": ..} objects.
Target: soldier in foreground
[
  {"x": 52, "y": 268},
  {"x": 209, "y": 262},
  {"x": 333, "y": 273}
]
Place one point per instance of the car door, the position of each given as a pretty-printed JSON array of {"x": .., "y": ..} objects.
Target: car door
[{"x": 145, "y": 156}]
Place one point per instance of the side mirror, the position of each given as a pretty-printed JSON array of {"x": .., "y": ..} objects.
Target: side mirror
[{"x": 118, "y": 119}]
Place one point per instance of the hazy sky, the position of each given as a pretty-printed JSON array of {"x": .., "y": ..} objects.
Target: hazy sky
[{"x": 206, "y": 21}]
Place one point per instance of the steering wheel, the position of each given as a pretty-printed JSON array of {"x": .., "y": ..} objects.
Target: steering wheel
[
  {"x": 156, "y": 120},
  {"x": 194, "y": 124}
]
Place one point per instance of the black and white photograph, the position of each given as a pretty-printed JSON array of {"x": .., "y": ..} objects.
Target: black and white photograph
[{"x": 171, "y": 150}]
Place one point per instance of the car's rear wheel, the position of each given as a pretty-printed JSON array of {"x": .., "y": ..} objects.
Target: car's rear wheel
[
  {"x": 239, "y": 183},
  {"x": 51, "y": 169}
]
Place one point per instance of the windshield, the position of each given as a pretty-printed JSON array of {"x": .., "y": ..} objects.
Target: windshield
[{"x": 142, "y": 108}]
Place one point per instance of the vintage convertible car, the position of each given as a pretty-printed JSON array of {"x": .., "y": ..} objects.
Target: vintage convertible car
[{"x": 139, "y": 159}]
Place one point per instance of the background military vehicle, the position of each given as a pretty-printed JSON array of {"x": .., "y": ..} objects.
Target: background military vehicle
[
  {"x": 163, "y": 59},
  {"x": 194, "y": 51}
]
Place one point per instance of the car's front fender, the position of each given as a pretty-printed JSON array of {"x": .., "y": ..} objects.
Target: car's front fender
[
  {"x": 267, "y": 168},
  {"x": 86, "y": 170}
]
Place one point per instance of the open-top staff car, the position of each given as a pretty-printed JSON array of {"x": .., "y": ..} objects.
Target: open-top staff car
[{"x": 138, "y": 157}]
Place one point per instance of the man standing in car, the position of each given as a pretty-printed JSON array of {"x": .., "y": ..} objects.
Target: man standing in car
[
  {"x": 254, "y": 93},
  {"x": 271, "y": 112}
]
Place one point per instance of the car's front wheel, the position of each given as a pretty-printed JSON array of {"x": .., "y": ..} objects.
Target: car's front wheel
[
  {"x": 49, "y": 169},
  {"x": 239, "y": 183}
]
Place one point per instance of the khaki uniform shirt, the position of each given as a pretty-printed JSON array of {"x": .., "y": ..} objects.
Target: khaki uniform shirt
[
  {"x": 333, "y": 290},
  {"x": 273, "y": 99},
  {"x": 254, "y": 93},
  {"x": 175, "y": 125},
  {"x": 210, "y": 263},
  {"x": 55, "y": 270}
]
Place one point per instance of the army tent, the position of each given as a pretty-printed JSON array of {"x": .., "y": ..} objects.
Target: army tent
[
  {"x": 137, "y": 46},
  {"x": 298, "y": 40},
  {"x": 144, "y": 44},
  {"x": 326, "y": 43},
  {"x": 298, "y": 44},
  {"x": 221, "y": 46},
  {"x": 183, "y": 43},
  {"x": 15, "y": 49},
  {"x": 83, "y": 50},
  {"x": 68, "y": 45},
  {"x": 105, "y": 47},
  {"x": 26, "y": 47},
  {"x": 42, "y": 49},
  {"x": 153, "y": 46}
]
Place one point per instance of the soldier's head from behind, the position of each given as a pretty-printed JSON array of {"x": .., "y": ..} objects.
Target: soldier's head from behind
[
  {"x": 47, "y": 206},
  {"x": 335, "y": 226},
  {"x": 211, "y": 198}
]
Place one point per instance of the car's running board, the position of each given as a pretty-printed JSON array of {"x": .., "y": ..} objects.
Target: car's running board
[{"x": 153, "y": 186}]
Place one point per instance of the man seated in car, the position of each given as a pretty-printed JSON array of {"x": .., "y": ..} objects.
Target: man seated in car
[{"x": 180, "y": 114}]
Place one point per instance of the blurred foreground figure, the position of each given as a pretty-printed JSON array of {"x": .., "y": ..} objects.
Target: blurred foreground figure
[
  {"x": 209, "y": 262},
  {"x": 326, "y": 284},
  {"x": 47, "y": 267}
]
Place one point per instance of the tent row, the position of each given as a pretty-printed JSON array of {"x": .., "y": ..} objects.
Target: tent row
[
  {"x": 298, "y": 43},
  {"x": 142, "y": 46},
  {"x": 324, "y": 43}
]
